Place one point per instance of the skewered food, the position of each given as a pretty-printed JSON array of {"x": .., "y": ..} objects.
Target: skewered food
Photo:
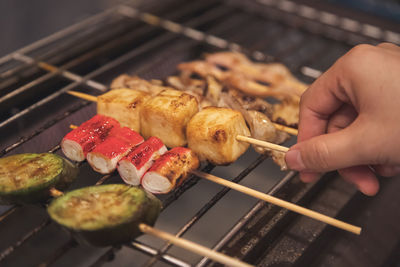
[
  {"x": 123, "y": 105},
  {"x": 166, "y": 116},
  {"x": 80, "y": 141},
  {"x": 133, "y": 166},
  {"x": 106, "y": 214},
  {"x": 257, "y": 79},
  {"x": 212, "y": 132},
  {"x": 170, "y": 170},
  {"x": 287, "y": 112},
  {"x": 28, "y": 178},
  {"x": 152, "y": 87},
  {"x": 105, "y": 156}
]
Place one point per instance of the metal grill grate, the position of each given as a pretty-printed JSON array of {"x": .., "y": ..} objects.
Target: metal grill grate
[{"x": 88, "y": 55}]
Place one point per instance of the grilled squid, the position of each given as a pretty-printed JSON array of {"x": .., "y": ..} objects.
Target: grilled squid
[
  {"x": 80, "y": 141},
  {"x": 105, "y": 156},
  {"x": 170, "y": 170},
  {"x": 133, "y": 166}
]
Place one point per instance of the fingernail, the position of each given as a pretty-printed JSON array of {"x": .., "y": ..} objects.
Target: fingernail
[{"x": 294, "y": 161}]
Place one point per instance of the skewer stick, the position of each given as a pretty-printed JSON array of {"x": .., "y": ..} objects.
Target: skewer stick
[
  {"x": 279, "y": 202},
  {"x": 92, "y": 98},
  {"x": 264, "y": 144},
  {"x": 196, "y": 248},
  {"x": 284, "y": 128},
  {"x": 83, "y": 96},
  {"x": 55, "y": 192}
]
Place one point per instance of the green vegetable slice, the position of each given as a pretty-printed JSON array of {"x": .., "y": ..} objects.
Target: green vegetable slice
[
  {"x": 106, "y": 214},
  {"x": 27, "y": 178}
]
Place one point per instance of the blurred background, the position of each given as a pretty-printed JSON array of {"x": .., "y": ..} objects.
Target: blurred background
[{"x": 23, "y": 22}]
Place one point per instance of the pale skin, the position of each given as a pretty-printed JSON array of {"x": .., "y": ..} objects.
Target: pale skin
[{"x": 350, "y": 119}]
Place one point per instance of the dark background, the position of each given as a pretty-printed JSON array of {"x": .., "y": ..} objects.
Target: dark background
[{"x": 23, "y": 22}]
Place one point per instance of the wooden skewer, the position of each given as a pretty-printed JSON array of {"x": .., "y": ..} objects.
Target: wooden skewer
[
  {"x": 276, "y": 201},
  {"x": 268, "y": 145},
  {"x": 264, "y": 144},
  {"x": 284, "y": 128},
  {"x": 88, "y": 97},
  {"x": 83, "y": 96},
  {"x": 279, "y": 202},
  {"x": 196, "y": 248},
  {"x": 55, "y": 192},
  {"x": 183, "y": 243}
]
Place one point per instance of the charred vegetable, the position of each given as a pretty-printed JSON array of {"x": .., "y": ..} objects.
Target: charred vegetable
[
  {"x": 28, "y": 178},
  {"x": 106, "y": 214}
]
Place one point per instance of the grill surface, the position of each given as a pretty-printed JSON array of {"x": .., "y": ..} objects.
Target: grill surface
[{"x": 36, "y": 113}]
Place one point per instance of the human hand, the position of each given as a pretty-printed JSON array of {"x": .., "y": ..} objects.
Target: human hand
[{"x": 350, "y": 119}]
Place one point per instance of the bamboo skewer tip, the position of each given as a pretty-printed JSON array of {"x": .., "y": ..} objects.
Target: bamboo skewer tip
[{"x": 55, "y": 192}]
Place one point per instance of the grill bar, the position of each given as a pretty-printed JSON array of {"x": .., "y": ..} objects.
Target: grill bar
[
  {"x": 136, "y": 34},
  {"x": 234, "y": 230},
  {"x": 123, "y": 58},
  {"x": 67, "y": 74},
  {"x": 80, "y": 41},
  {"x": 165, "y": 257},
  {"x": 69, "y": 30},
  {"x": 43, "y": 128},
  {"x": 333, "y": 20},
  {"x": 6, "y": 252},
  {"x": 206, "y": 207},
  {"x": 59, "y": 253},
  {"x": 8, "y": 212}
]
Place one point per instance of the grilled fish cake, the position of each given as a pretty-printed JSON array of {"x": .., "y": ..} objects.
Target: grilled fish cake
[
  {"x": 212, "y": 132},
  {"x": 123, "y": 105},
  {"x": 166, "y": 116}
]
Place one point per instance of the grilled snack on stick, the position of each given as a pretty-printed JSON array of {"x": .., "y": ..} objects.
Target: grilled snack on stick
[
  {"x": 106, "y": 214},
  {"x": 170, "y": 170},
  {"x": 212, "y": 132},
  {"x": 125, "y": 81},
  {"x": 166, "y": 116},
  {"x": 133, "y": 166},
  {"x": 28, "y": 178},
  {"x": 123, "y": 105},
  {"x": 105, "y": 156},
  {"x": 80, "y": 141}
]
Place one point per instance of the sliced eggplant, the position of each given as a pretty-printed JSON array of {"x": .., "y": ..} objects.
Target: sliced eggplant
[
  {"x": 105, "y": 215},
  {"x": 28, "y": 178}
]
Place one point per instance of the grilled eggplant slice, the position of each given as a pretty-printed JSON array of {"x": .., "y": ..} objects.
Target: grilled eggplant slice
[
  {"x": 28, "y": 178},
  {"x": 106, "y": 214}
]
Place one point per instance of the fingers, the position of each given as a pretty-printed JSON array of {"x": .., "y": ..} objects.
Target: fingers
[
  {"x": 314, "y": 115},
  {"x": 389, "y": 46},
  {"x": 363, "y": 178},
  {"x": 329, "y": 152},
  {"x": 342, "y": 118},
  {"x": 387, "y": 170}
]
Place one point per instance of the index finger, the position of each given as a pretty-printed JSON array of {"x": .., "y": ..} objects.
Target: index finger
[{"x": 319, "y": 102}]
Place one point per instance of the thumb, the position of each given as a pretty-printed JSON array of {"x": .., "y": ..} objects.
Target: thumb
[{"x": 329, "y": 152}]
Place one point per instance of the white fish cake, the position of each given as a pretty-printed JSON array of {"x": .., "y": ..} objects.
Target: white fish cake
[
  {"x": 166, "y": 116},
  {"x": 123, "y": 105},
  {"x": 212, "y": 132}
]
